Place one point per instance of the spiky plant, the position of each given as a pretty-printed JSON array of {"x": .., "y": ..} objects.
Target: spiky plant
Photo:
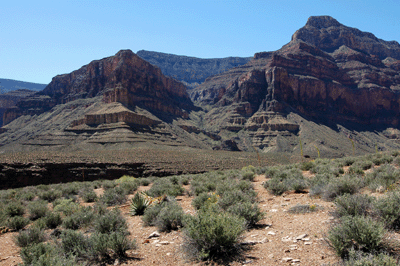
[{"x": 139, "y": 203}]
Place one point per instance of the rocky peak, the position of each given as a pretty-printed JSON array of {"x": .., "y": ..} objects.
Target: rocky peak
[
  {"x": 328, "y": 34},
  {"x": 320, "y": 22}
]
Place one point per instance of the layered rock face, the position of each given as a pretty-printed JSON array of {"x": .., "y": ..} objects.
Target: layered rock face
[
  {"x": 328, "y": 72},
  {"x": 124, "y": 78}
]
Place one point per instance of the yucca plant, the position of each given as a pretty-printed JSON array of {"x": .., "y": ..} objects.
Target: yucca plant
[{"x": 139, "y": 203}]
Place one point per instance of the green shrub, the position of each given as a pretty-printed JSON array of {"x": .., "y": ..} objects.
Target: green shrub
[
  {"x": 342, "y": 185},
  {"x": 276, "y": 186},
  {"x": 248, "y": 175},
  {"x": 383, "y": 176},
  {"x": 37, "y": 209},
  {"x": 88, "y": 195},
  {"x": 129, "y": 186},
  {"x": 112, "y": 221},
  {"x": 14, "y": 208},
  {"x": 150, "y": 214},
  {"x": 201, "y": 200},
  {"x": 82, "y": 218},
  {"x": 119, "y": 243},
  {"x": 107, "y": 184},
  {"x": 70, "y": 189},
  {"x": 358, "y": 233},
  {"x": 50, "y": 195},
  {"x": 165, "y": 186},
  {"x": 247, "y": 210},
  {"x": 212, "y": 234},
  {"x": 74, "y": 243},
  {"x": 170, "y": 217},
  {"x": 307, "y": 166},
  {"x": 52, "y": 220},
  {"x": 357, "y": 258},
  {"x": 45, "y": 254},
  {"x": 388, "y": 210},
  {"x": 113, "y": 196},
  {"x": 353, "y": 205},
  {"x": 29, "y": 237},
  {"x": 99, "y": 246},
  {"x": 144, "y": 181},
  {"x": 66, "y": 206},
  {"x": 17, "y": 222},
  {"x": 139, "y": 204},
  {"x": 233, "y": 197}
]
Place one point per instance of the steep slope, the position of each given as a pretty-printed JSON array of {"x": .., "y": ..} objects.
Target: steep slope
[
  {"x": 11, "y": 98},
  {"x": 330, "y": 78},
  {"x": 112, "y": 101},
  {"x": 7, "y": 85},
  {"x": 191, "y": 70}
]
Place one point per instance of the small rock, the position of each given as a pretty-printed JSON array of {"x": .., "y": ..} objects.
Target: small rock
[
  {"x": 169, "y": 254},
  {"x": 272, "y": 233},
  {"x": 158, "y": 245},
  {"x": 286, "y": 239},
  {"x": 273, "y": 210},
  {"x": 307, "y": 243},
  {"x": 270, "y": 256},
  {"x": 156, "y": 241},
  {"x": 306, "y": 239},
  {"x": 286, "y": 259},
  {"x": 154, "y": 234},
  {"x": 287, "y": 250},
  {"x": 296, "y": 261},
  {"x": 116, "y": 262},
  {"x": 164, "y": 242},
  {"x": 300, "y": 237},
  {"x": 287, "y": 199}
]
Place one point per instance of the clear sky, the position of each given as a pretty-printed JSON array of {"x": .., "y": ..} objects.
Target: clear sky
[{"x": 41, "y": 39}]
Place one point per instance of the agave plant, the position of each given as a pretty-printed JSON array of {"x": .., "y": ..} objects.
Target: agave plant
[{"x": 139, "y": 204}]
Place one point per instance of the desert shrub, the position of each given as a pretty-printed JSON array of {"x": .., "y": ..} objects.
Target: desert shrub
[
  {"x": 27, "y": 194},
  {"x": 353, "y": 205},
  {"x": 327, "y": 168},
  {"x": 14, "y": 208},
  {"x": 88, "y": 195},
  {"x": 358, "y": 233},
  {"x": 276, "y": 186},
  {"x": 119, "y": 243},
  {"x": 82, "y": 218},
  {"x": 113, "y": 196},
  {"x": 169, "y": 217},
  {"x": 382, "y": 159},
  {"x": 70, "y": 189},
  {"x": 298, "y": 185},
  {"x": 37, "y": 209},
  {"x": 270, "y": 172},
  {"x": 248, "y": 173},
  {"x": 150, "y": 214},
  {"x": 66, "y": 206},
  {"x": 201, "y": 200},
  {"x": 304, "y": 208},
  {"x": 318, "y": 183},
  {"x": 107, "y": 184},
  {"x": 204, "y": 183},
  {"x": 29, "y": 237},
  {"x": 307, "y": 166},
  {"x": 112, "y": 221},
  {"x": 45, "y": 254},
  {"x": 248, "y": 211},
  {"x": 358, "y": 258},
  {"x": 342, "y": 185},
  {"x": 361, "y": 164},
  {"x": 17, "y": 222},
  {"x": 212, "y": 234},
  {"x": 144, "y": 181},
  {"x": 139, "y": 204},
  {"x": 232, "y": 197},
  {"x": 166, "y": 186},
  {"x": 52, "y": 220},
  {"x": 387, "y": 209},
  {"x": 74, "y": 243},
  {"x": 383, "y": 176},
  {"x": 184, "y": 180},
  {"x": 50, "y": 195},
  {"x": 129, "y": 186},
  {"x": 346, "y": 161},
  {"x": 40, "y": 224}
]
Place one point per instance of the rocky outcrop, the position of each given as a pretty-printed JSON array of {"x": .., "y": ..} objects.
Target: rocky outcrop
[
  {"x": 328, "y": 72},
  {"x": 191, "y": 70},
  {"x": 11, "y": 98},
  {"x": 124, "y": 78}
]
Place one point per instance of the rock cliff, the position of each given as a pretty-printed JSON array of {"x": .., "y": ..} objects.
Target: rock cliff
[{"x": 328, "y": 72}]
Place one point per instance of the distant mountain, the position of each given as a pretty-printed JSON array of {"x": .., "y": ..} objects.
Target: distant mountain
[
  {"x": 191, "y": 70},
  {"x": 7, "y": 85}
]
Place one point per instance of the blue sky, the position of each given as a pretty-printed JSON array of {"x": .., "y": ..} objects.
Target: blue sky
[{"x": 40, "y": 39}]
